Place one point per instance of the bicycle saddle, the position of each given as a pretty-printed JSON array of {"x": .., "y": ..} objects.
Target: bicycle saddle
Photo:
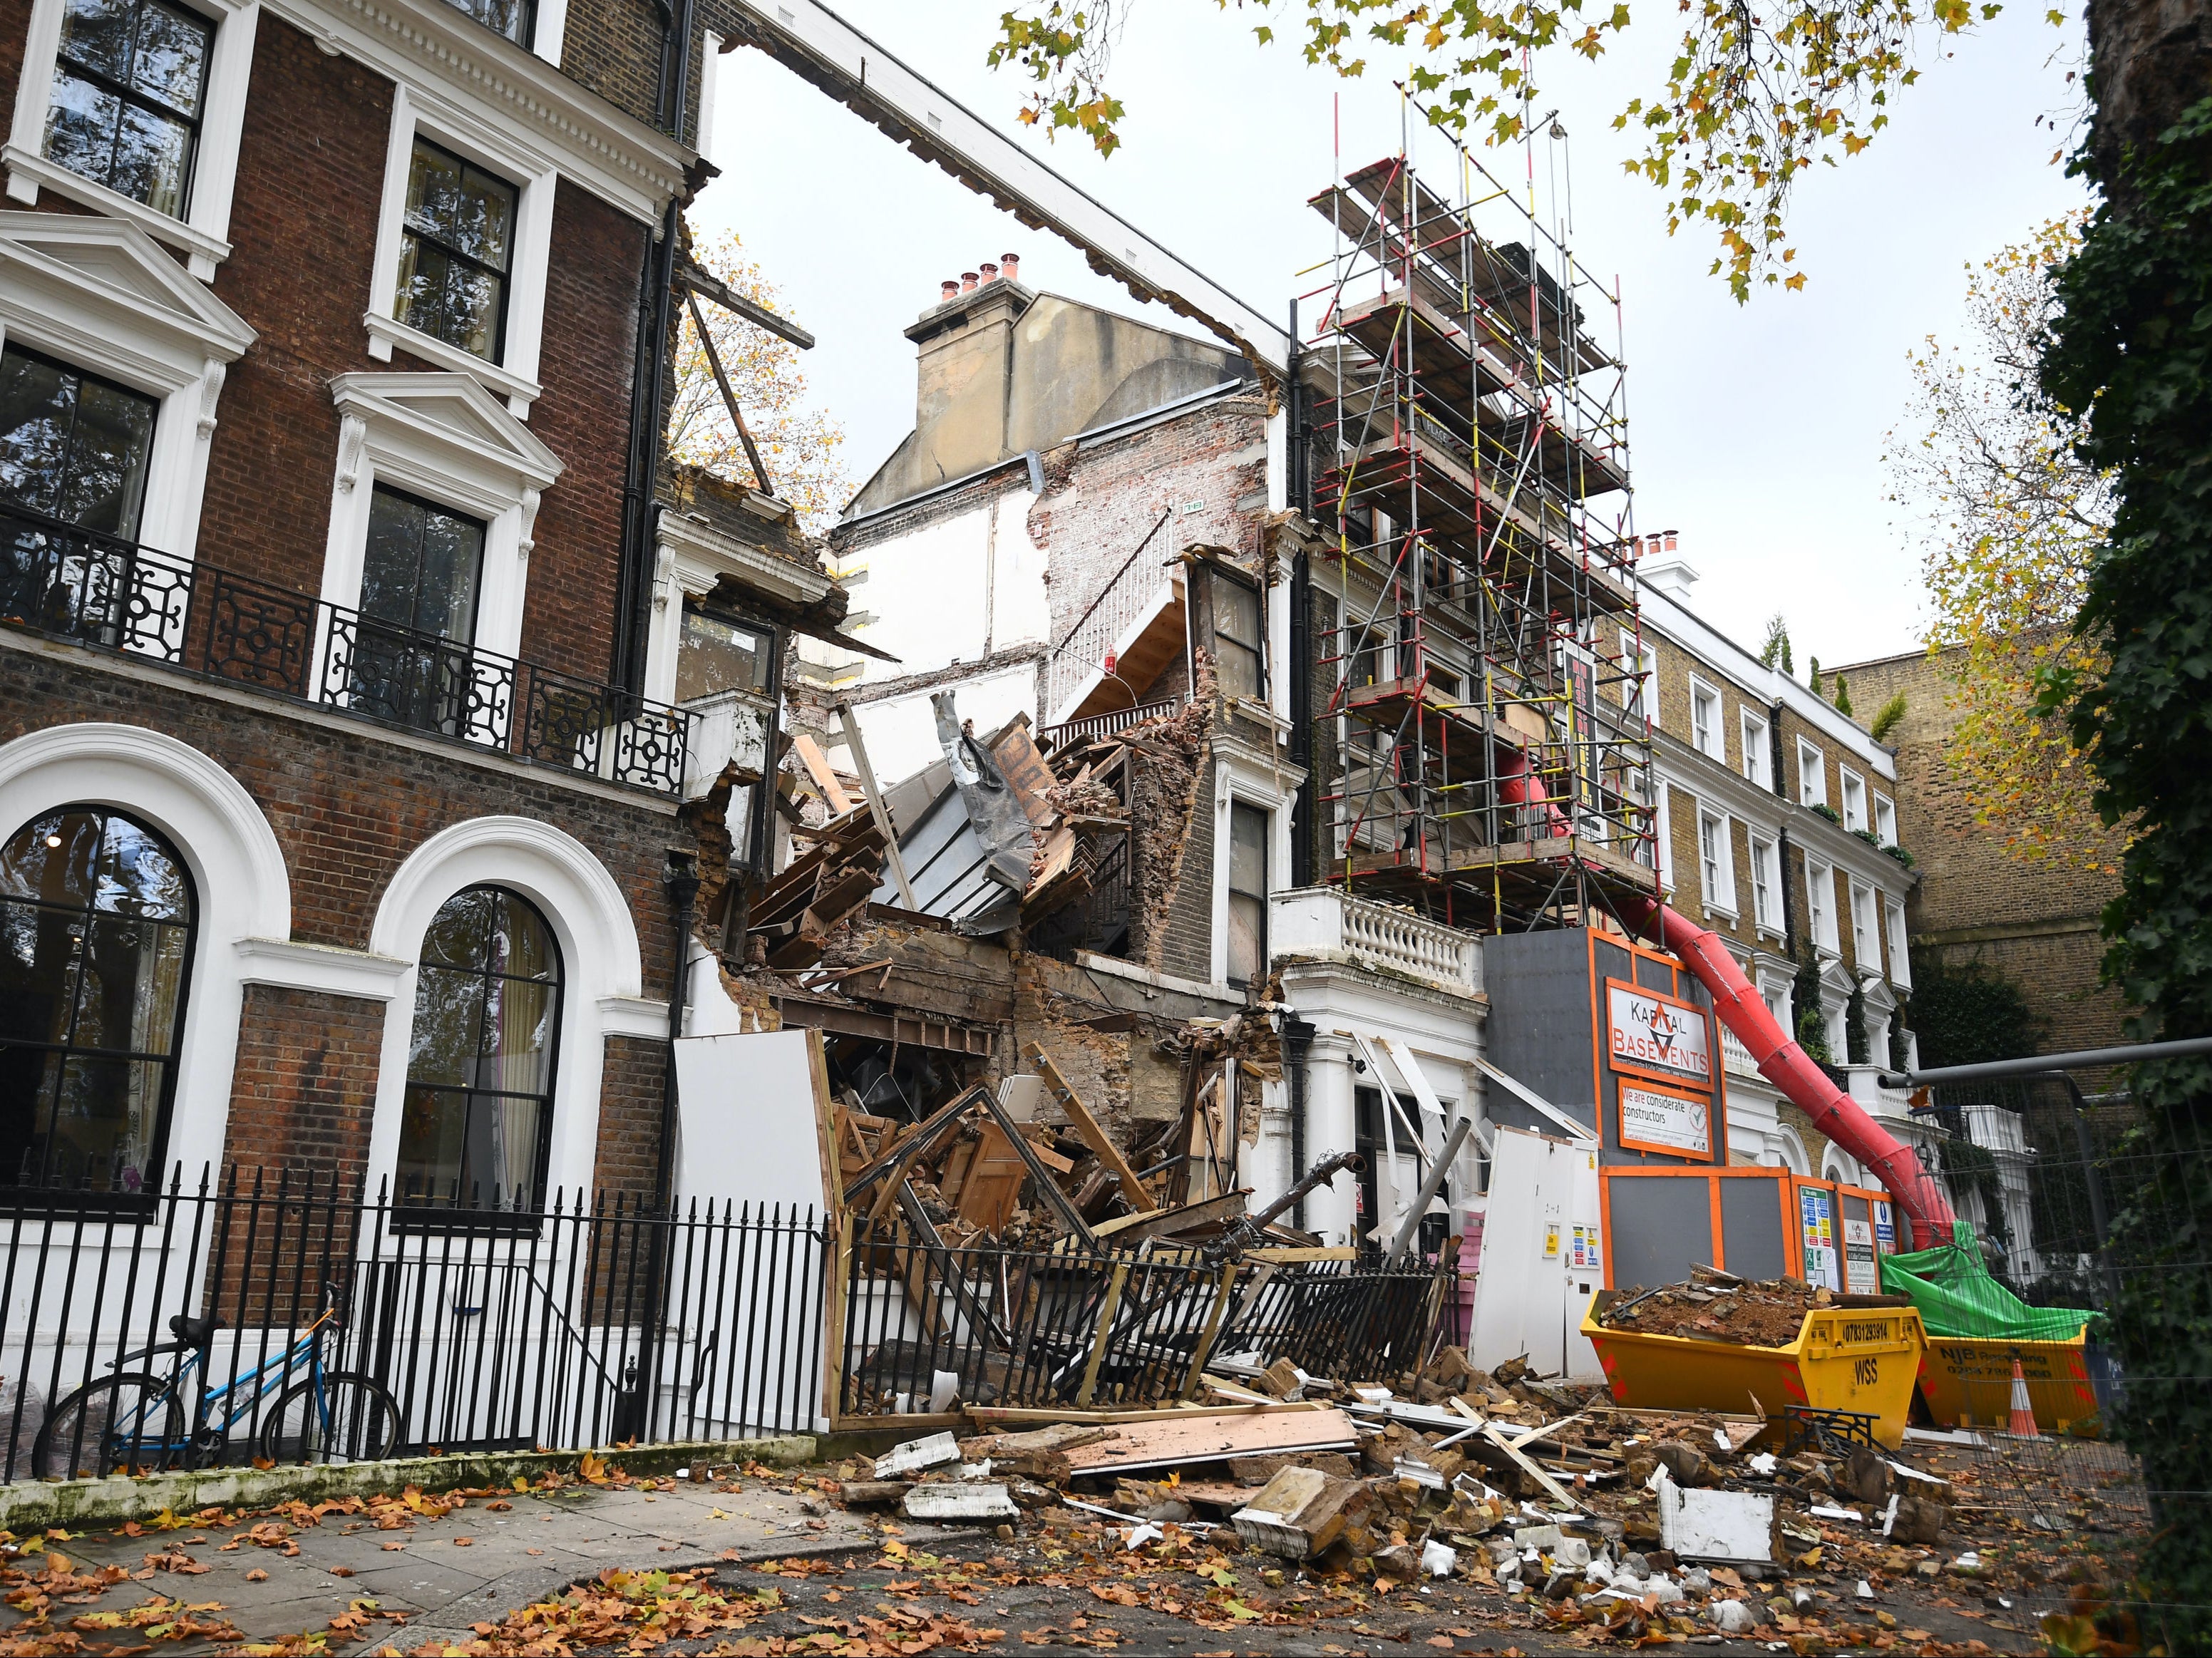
[{"x": 195, "y": 1331}]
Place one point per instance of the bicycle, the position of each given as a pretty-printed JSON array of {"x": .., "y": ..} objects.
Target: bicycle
[{"x": 136, "y": 1422}]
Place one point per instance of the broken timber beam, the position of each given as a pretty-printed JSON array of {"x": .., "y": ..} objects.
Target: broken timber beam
[{"x": 1088, "y": 1128}]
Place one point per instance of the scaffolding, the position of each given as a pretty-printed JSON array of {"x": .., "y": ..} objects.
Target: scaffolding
[{"x": 1485, "y": 675}]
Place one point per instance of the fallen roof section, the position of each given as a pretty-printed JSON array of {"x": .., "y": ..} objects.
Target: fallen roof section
[{"x": 815, "y": 43}]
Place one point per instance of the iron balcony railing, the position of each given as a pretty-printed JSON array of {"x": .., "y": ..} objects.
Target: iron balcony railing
[
  {"x": 117, "y": 595},
  {"x": 1107, "y": 724}
]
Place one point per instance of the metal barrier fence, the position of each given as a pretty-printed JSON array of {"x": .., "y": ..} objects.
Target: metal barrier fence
[
  {"x": 589, "y": 1322},
  {"x": 2063, "y": 1192},
  {"x": 1021, "y": 1327}
]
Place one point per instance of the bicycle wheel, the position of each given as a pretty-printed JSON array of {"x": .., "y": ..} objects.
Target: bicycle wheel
[
  {"x": 132, "y": 1423},
  {"x": 342, "y": 1418}
]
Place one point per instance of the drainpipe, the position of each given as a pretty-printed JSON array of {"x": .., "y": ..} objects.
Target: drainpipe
[
  {"x": 681, "y": 881},
  {"x": 1301, "y": 655},
  {"x": 1297, "y": 1039},
  {"x": 656, "y": 315}
]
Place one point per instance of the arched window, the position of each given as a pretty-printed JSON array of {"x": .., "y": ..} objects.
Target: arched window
[
  {"x": 95, "y": 950},
  {"x": 479, "y": 1108}
]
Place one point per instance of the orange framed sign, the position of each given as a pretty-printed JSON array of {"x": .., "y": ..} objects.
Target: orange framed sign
[
  {"x": 1660, "y": 1120},
  {"x": 1650, "y": 1034}
]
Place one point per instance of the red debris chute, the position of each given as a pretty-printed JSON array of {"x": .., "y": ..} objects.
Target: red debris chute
[{"x": 1920, "y": 1197}]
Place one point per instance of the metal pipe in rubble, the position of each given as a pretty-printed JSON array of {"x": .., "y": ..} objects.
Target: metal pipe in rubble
[
  {"x": 1315, "y": 1177},
  {"x": 1247, "y": 1230},
  {"x": 1920, "y": 1197},
  {"x": 1454, "y": 1139}
]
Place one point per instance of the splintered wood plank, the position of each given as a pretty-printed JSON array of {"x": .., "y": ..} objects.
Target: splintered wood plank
[
  {"x": 1089, "y": 1130},
  {"x": 1214, "y": 1438},
  {"x": 817, "y": 768}
]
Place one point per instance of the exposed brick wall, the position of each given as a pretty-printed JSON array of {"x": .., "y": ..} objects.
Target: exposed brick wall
[
  {"x": 1184, "y": 943},
  {"x": 2036, "y": 923},
  {"x": 303, "y": 238},
  {"x": 629, "y": 1116},
  {"x": 15, "y": 36},
  {"x": 304, "y": 1089},
  {"x": 1203, "y": 469}
]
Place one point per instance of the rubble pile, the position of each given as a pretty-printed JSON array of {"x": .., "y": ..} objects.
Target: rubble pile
[
  {"x": 1716, "y": 1306},
  {"x": 1558, "y": 1507}
]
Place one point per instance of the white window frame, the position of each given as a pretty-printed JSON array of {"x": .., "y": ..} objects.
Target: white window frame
[
  {"x": 1820, "y": 905},
  {"x": 1885, "y": 819},
  {"x": 1665, "y": 837},
  {"x": 1812, "y": 774},
  {"x": 1765, "y": 883},
  {"x": 202, "y": 234},
  {"x": 414, "y": 112},
  {"x": 1866, "y": 928},
  {"x": 1776, "y": 992},
  {"x": 1716, "y": 861},
  {"x": 1239, "y": 777},
  {"x": 1709, "y": 737},
  {"x": 414, "y": 432},
  {"x": 1900, "y": 946},
  {"x": 102, "y": 295},
  {"x": 1757, "y": 754},
  {"x": 1853, "y": 789},
  {"x": 1640, "y": 696}
]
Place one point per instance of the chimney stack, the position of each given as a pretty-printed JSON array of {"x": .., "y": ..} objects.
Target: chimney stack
[
  {"x": 951, "y": 288},
  {"x": 968, "y": 280},
  {"x": 1012, "y": 263},
  {"x": 990, "y": 271}
]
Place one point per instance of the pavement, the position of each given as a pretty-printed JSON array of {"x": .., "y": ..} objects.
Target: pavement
[
  {"x": 426, "y": 1583},
  {"x": 441, "y": 1574}
]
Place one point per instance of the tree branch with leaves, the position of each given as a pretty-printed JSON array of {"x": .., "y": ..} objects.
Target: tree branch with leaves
[
  {"x": 1754, "y": 96},
  {"x": 2010, "y": 518},
  {"x": 802, "y": 447}
]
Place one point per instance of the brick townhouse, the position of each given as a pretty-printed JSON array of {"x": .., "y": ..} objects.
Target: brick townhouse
[
  {"x": 1777, "y": 816},
  {"x": 2036, "y": 924},
  {"x": 340, "y": 780}
]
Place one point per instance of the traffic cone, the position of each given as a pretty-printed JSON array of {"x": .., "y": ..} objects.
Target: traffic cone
[{"x": 2022, "y": 1425}]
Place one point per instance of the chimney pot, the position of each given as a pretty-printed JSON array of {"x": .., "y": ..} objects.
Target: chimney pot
[
  {"x": 951, "y": 289},
  {"x": 1670, "y": 541},
  {"x": 968, "y": 280},
  {"x": 990, "y": 271},
  {"x": 1012, "y": 263}
]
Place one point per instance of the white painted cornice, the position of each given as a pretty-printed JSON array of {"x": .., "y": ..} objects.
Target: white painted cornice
[
  {"x": 290, "y": 965},
  {"x": 439, "y": 52}
]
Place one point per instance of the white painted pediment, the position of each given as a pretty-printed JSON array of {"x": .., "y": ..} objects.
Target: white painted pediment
[
  {"x": 80, "y": 277},
  {"x": 451, "y": 411}
]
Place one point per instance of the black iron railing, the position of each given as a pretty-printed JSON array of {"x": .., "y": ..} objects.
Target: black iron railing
[
  {"x": 514, "y": 1336},
  {"x": 1058, "y": 1328},
  {"x": 119, "y": 596}
]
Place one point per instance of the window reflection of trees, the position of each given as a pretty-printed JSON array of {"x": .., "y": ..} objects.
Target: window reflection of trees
[
  {"x": 478, "y": 1110},
  {"x": 95, "y": 946}
]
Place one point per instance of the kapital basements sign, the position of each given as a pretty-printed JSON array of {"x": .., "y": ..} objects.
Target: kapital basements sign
[{"x": 1657, "y": 1036}]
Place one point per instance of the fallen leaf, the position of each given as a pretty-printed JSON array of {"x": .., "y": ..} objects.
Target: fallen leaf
[{"x": 257, "y": 1576}]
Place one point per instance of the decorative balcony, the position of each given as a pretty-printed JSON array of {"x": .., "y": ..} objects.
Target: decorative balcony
[
  {"x": 112, "y": 595},
  {"x": 1329, "y": 922}
]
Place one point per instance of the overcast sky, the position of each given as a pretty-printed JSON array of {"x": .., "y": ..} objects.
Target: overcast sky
[{"x": 1756, "y": 431}]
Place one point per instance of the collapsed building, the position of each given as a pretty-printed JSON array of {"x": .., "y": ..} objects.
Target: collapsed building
[{"x": 1298, "y": 688}]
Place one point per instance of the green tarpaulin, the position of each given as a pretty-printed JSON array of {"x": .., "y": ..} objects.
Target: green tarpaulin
[{"x": 1957, "y": 1296}]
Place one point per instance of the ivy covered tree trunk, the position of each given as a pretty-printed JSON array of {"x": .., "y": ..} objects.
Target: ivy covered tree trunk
[{"x": 2134, "y": 343}]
